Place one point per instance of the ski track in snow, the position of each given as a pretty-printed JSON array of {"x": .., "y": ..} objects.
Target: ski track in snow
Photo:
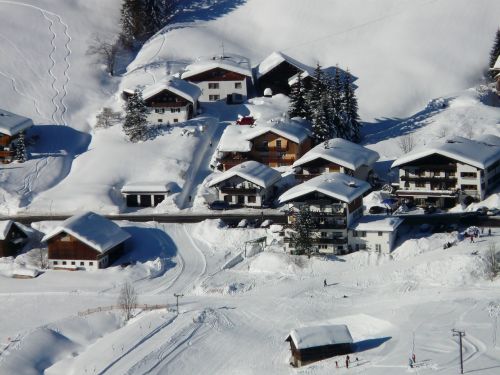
[
  {"x": 61, "y": 108},
  {"x": 17, "y": 91}
]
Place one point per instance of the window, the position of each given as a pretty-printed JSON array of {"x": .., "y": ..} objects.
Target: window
[
  {"x": 213, "y": 86},
  {"x": 323, "y": 234},
  {"x": 469, "y": 187},
  {"x": 64, "y": 262},
  {"x": 378, "y": 247},
  {"x": 468, "y": 174},
  {"x": 380, "y": 234},
  {"x": 175, "y": 110},
  {"x": 176, "y": 120},
  {"x": 237, "y": 85},
  {"x": 420, "y": 184},
  {"x": 91, "y": 263},
  {"x": 73, "y": 263},
  {"x": 213, "y": 98},
  {"x": 159, "y": 110},
  {"x": 252, "y": 199},
  {"x": 82, "y": 263},
  {"x": 278, "y": 144},
  {"x": 323, "y": 247},
  {"x": 362, "y": 234},
  {"x": 55, "y": 262},
  {"x": 354, "y": 233},
  {"x": 160, "y": 120}
]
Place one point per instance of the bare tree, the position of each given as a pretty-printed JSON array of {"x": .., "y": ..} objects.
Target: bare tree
[
  {"x": 106, "y": 52},
  {"x": 127, "y": 300},
  {"x": 492, "y": 266},
  {"x": 39, "y": 257},
  {"x": 406, "y": 142},
  {"x": 107, "y": 118}
]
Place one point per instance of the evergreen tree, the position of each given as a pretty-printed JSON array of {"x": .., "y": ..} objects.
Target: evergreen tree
[
  {"x": 135, "y": 124},
  {"x": 21, "y": 148},
  {"x": 301, "y": 238},
  {"x": 350, "y": 103},
  {"x": 495, "y": 53},
  {"x": 336, "y": 115},
  {"x": 132, "y": 22},
  {"x": 317, "y": 106},
  {"x": 298, "y": 103}
]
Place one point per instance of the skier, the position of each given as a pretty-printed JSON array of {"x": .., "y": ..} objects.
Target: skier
[
  {"x": 336, "y": 364},
  {"x": 347, "y": 362},
  {"x": 472, "y": 239},
  {"x": 489, "y": 231},
  {"x": 413, "y": 357},
  {"x": 324, "y": 283}
]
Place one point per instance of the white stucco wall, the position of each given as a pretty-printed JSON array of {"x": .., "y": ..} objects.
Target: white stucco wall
[{"x": 225, "y": 88}]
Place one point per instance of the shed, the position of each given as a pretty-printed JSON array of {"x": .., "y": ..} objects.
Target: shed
[
  {"x": 13, "y": 236},
  {"x": 85, "y": 241},
  {"x": 314, "y": 343},
  {"x": 146, "y": 194}
]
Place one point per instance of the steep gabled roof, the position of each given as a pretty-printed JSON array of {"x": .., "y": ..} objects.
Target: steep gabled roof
[
  {"x": 497, "y": 64},
  {"x": 335, "y": 185},
  {"x": 292, "y": 131},
  {"x": 12, "y": 124},
  {"x": 480, "y": 153},
  {"x": 230, "y": 63},
  {"x": 184, "y": 89},
  {"x": 253, "y": 171},
  {"x": 315, "y": 336},
  {"x": 341, "y": 152},
  {"x": 93, "y": 230},
  {"x": 275, "y": 59},
  {"x": 5, "y": 226}
]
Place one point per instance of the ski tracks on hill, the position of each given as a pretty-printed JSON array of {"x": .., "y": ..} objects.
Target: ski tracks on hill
[{"x": 59, "y": 85}]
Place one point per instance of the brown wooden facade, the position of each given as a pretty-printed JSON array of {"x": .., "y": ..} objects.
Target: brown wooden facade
[
  {"x": 67, "y": 247},
  {"x": 277, "y": 79},
  {"x": 6, "y": 152},
  {"x": 270, "y": 149},
  {"x": 216, "y": 74},
  {"x": 301, "y": 357},
  {"x": 14, "y": 241}
]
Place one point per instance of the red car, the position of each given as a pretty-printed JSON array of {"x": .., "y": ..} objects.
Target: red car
[{"x": 245, "y": 120}]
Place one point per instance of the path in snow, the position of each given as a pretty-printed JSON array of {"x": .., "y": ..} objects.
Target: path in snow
[{"x": 59, "y": 96}]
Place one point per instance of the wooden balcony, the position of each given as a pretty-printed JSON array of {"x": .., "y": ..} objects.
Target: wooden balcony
[
  {"x": 449, "y": 179},
  {"x": 238, "y": 191}
]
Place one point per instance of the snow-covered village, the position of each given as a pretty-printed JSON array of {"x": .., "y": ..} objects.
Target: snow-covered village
[{"x": 249, "y": 187}]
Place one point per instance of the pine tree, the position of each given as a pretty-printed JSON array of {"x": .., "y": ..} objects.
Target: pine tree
[
  {"x": 317, "y": 106},
  {"x": 133, "y": 22},
  {"x": 301, "y": 238},
  {"x": 21, "y": 148},
  {"x": 350, "y": 103},
  {"x": 298, "y": 104},
  {"x": 495, "y": 53},
  {"x": 136, "y": 112}
]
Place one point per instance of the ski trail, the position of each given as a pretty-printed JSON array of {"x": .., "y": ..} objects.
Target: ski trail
[
  {"x": 51, "y": 73},
  {"x": 62, "y": 108},
  {"x": 16, "y": 89}
]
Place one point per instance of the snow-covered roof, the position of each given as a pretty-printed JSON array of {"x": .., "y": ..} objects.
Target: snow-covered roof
[
  {"x": 341, "y": 152},
  {"x": 275, "y": 59},
  {"x": 374, "y": 223},
  {"x": 5, "y": 226},
  {"x": 336, "y": 185},
  {"x": 311, "y": 337},
  {"x": 147, "y": 187},
  {"x": 253, "y": 171},
  {"x": 26, "y": 272},
  {"x": 292, "y": 131},
  {"x": 480, "y": 153},
  {"x": 93, "y": 230},
  {"x": 232, "y": 63},
  {"x": 177, "y": 86},
  {"x": 237, "y": 138},
  {"x": 497, "y": 64},
  {"x": 11, "y": 124}
]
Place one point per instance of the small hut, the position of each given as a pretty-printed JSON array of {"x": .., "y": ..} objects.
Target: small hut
[
  {"x": 13, "y": 236},
  {"x": 311, "y": 344}
]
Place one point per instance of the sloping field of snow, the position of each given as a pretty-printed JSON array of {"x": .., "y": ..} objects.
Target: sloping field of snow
[{"x": 393, "y": 305}]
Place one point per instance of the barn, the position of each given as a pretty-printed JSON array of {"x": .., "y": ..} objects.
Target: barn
[
  {"x": 314, "y": 343},
  {"x": 13, "y": 236},
  {"x": 85, "y": 241}
]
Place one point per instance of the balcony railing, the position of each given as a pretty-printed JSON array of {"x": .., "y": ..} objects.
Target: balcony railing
[
  {"x": 5, "y": 154},
  {"x": 324, "y": 240},
  {"x": 450, "y": 179},
  {"x": 238, "y": 190},
  {"x": 331, "y": 226}
]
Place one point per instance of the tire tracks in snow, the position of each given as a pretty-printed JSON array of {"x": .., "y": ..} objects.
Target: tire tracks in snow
[{"x": 61, "y": 108}]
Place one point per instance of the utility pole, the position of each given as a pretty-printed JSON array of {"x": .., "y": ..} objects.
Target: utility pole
[
  {"x": 177, "y": 296},
  {"x": 460, "y": 334}
]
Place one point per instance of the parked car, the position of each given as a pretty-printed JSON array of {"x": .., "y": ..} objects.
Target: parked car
[
  {"x": 482, "y": 210},
  {"x": 430, "y": 209},
  {"x": 377, "y": 210},
  {"x": 219, "y": 205},
  {"x": 493, "y": 212}
]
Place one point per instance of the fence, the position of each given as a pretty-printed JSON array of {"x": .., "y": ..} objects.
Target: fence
[{"x": 118, "y": 307}]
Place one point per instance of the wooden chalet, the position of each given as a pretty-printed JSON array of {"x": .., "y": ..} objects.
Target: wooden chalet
[
  {"x": 221, "y": 78},
  {"x": 276, "y": 145},
  {"x": 11, "y": 125},
  {"x": 278, "y": 72},
  {"x": 85, "y": 241},
  {"x": 171, "y": 101},
  {"x": 312, "y": 344},
  {"x": 13, "y": 236}
]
